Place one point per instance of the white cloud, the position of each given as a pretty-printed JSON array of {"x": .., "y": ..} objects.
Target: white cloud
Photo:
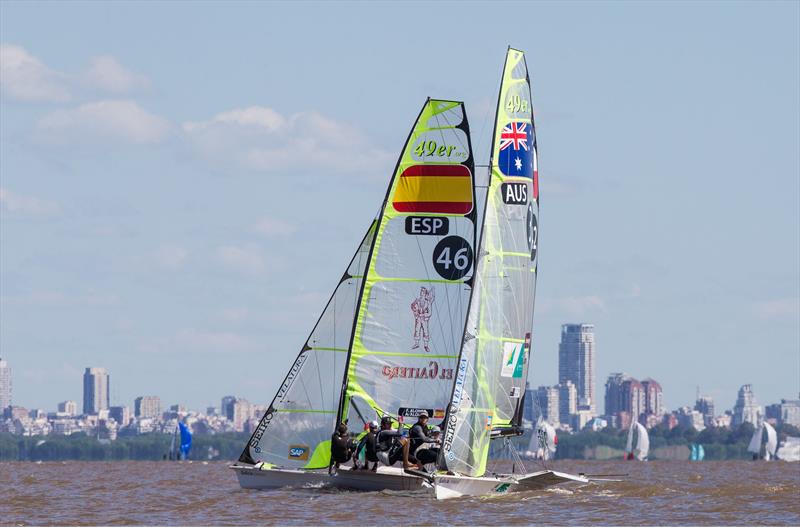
[
  {"x": 197, "y": 341},
  {"x": 119, "y": 120},
  {"x": 106, "y": 73},
  {"x": 171, "y": 256},
  {"x": 261, "y": 139},
  {"x": 54, "y": 298},
  {"x": 781, "y": 308},
  {"x": 274, "y": 227},
  {"x": 27, "y": 205},
  {"x": 247, "y": 259},
  {"x": 575, "y": 306},
  {"x": 234, "y": 314},
  {"x": 24, "y": 77}
]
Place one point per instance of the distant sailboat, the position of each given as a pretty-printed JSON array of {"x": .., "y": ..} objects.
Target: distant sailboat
[
  {"x": 181, "y": 443},
  {"x": 789, "y": 449},
  {"x": 642, "y": 442},
  {"x": 698, "y": 452},
  {"x": 769, "y": 447},
  {"x": 544, "y": 441}
]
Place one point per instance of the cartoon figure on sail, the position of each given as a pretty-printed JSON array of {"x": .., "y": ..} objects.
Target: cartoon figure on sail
[{"x": 421, "y": 307}]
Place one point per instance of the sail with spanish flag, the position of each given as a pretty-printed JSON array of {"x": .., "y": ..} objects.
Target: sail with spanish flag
[{"x": 410, "y": 320}]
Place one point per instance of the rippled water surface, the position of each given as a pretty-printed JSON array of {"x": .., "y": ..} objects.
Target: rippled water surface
[{"x": 152, "y": 493}]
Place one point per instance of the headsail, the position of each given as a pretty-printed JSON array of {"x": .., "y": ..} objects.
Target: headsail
[
  {"x": 411, "y": 314},
  {"x": 772, "y": 441},
  {"x": 488, "y": 394},
  {"x": 186, "y": 440},
  {"x": 296, "y": 428}
]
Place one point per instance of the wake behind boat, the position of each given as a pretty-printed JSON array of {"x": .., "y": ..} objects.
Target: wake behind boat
[{"x": 432, "y": 315}]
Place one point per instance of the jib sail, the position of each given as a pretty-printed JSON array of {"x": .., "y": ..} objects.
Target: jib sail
[
  {"x": 411, "y": 316},
  {"x": 296, "y": 429},
  {"x": 488, "y": 393}
]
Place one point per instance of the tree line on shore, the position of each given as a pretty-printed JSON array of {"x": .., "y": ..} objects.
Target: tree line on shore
[{"x": 719, "y": 444}]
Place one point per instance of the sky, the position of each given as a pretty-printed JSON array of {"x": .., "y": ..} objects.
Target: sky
[{"x": 181, "y": 184}]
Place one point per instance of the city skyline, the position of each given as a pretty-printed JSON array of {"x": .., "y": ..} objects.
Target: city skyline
[{"x": 178, "y": 209}]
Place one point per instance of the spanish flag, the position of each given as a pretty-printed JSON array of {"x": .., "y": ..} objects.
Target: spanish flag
[{"x": 436, "y": 189}]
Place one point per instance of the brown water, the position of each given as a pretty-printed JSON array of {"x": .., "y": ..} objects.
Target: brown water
[{"x": 153, "y": 493}]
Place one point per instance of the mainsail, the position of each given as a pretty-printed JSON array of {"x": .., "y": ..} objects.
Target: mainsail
[
  {"x": 410, "y": 318},
  {"x": 642, "y": 447},
  {"x": 771, "y": 445},
  {"x": 487, "y": 398},
  {"x": 295, "y": 431}
]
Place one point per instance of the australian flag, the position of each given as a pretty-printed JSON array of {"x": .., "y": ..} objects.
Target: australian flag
[{"x": 516, "y": 150}]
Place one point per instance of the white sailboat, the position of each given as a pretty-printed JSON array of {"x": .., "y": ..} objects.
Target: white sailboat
[
  {"x": 544, "y": 441},
  {"x": 487, "y": 399},
  {"x": 387, "y": 343},
  {"x": 789, "y": 449},
  {"x": 425, "y": 318},
  {"x": 640, "y": 447},
  {"x": 763, "y": 450}
]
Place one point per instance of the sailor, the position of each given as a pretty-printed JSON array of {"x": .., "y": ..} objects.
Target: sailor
[
  {"x": 340, "y": 446},
  {"x": 419, "y": 435},
  {"x": 428, "y": 452},
  {"x": 369, "y": 445},
  {"x": 391, "y": 446}
]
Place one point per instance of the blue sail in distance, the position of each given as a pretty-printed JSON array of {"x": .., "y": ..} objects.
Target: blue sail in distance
[{"x": 186, "y": 440}]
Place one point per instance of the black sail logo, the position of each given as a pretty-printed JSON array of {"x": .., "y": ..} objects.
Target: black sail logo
[{"x": 514, "y": 193}]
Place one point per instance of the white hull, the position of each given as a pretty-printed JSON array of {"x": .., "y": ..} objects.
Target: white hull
[
  {"x": 390, "y": 478},
  {"x": 273, "y": 478},
  {"x": 386, "y": 478},
  {"x": 456, "y": 486}
]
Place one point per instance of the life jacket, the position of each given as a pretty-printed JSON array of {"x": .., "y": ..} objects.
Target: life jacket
[{"x": 339, "y": 451}]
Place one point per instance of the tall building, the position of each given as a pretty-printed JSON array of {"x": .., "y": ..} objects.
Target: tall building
[
  {"x": 95, "y": 390},
  {"x": 705, "y": 405},
  {"x": 746, "y": 409},
  {"x": 790, "y": 412},
  {"x": 147, "y": 406},
  {"x": 567, "y": 402},
  {"x": 120, "y": 414},
  {"x": 530, "y": 410},
  {"x": 5, "y": 385},
  {"x": 653, "y": 398},
  {"x": 547, "y": 400},
  {"x": 242, "y": 412},
  {"x": 226, "y": 407},
  {"x": 625, "y": 399},
  {"x": 68, "y": 407},
  {"x": 576, "y": 362}
]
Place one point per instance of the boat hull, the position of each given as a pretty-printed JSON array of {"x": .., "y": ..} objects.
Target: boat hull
[
  {"x": 386, "y": 478},
  {"x": 273, "y": 478},
  {"x": 448, "y": 486}
]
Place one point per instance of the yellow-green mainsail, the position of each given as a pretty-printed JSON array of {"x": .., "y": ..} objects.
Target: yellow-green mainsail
[
  {"x": 410, "y": 319},
  {"x": 493, "y": 365}
]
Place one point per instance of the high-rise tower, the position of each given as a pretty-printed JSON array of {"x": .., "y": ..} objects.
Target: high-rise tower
[
  {"x": 576, "y": 362},
  {"x": 5, "y": 385},
  {"x": 95, "y": 390}
]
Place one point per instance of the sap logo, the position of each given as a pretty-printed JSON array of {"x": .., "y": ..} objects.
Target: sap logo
[
  {"x": 514, "y": 193},
  {"x": 427, "y": 225},
  {"x": 298, "y": 452}
]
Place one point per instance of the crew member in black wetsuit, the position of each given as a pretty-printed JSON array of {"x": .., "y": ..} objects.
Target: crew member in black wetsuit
[
  {"x": 391, "y": 445},
  {"x": 340, "y": 446},
  {"x": 418, "y": 436},
  {"x": 428, "y": 452},
  {"x": 369, "y": 444}
]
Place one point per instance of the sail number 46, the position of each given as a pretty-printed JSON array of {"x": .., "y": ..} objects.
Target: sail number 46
[{"x": 515, "y": 103}]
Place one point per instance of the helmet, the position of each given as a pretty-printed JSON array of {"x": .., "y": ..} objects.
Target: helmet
[{"x": 373, "y": 424}]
